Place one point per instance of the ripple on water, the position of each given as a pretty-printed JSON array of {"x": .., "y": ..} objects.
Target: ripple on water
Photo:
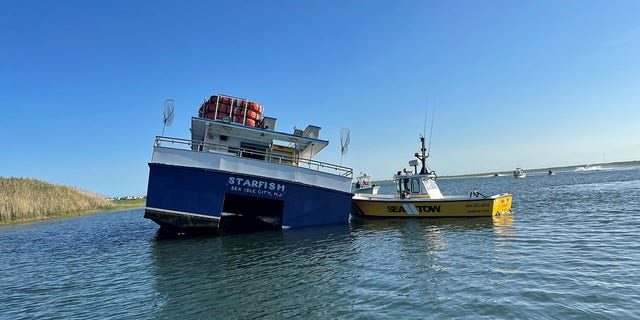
[{"x": 570, "y": 250}]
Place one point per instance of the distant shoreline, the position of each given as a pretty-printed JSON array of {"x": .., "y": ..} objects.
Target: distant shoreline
[
  {"x": 127, "y": 204},
  {"x": 510, "y": 172},
  {"x": 563, "y": 168}
]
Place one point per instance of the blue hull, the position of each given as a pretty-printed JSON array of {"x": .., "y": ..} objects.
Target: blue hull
[{"x": 185, "y": 198}]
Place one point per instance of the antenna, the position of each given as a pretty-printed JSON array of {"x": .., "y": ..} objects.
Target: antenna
[
  {"x": 345, "y": 138},
  {"x": 433, "y": 113},
  {"x": 167, "y": 113},
  {"x": 426, "y": 112}
]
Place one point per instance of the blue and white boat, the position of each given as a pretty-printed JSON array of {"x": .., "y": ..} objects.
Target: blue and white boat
[{"x": 236, "y": 174}]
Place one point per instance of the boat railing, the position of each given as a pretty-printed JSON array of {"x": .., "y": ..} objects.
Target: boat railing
[{"x": 258, "y": 155}]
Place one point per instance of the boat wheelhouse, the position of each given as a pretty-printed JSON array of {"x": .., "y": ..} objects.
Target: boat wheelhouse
[{"x": 235, "y": 174}]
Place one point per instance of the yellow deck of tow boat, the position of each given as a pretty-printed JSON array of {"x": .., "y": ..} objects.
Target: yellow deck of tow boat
[{"x": 445, "y": 207}]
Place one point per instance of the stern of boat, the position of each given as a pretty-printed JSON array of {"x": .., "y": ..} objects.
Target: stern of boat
[{"x": 502, "y": 204}]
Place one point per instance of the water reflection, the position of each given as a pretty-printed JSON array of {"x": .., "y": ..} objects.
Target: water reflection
[
  {"x": 249, "y": 275},
  {"x": 303, "y": 272},
  {"x": 453, "y": 223},
  {"x": 503, "y": 225},
  {"x": 504, "y": 220}
]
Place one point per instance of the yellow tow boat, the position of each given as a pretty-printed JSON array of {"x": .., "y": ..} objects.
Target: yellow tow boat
[{"x": 418, "y": 195}]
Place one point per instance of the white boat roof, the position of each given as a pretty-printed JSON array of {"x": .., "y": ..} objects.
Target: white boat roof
[{"x": 308, "y": 147}]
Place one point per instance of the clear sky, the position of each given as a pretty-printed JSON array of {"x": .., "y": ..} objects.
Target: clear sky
[{"x": 512, "y": 83}]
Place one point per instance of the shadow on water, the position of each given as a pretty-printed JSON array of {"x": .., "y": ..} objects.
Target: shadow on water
[{"x": 215, "y": 272}]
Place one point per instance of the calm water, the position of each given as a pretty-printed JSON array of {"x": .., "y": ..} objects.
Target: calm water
[{"x": 571, "y": 250}]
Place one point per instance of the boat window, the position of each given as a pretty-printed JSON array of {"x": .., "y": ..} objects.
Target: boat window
[
  {"x": 402, "y": 185},
  {"x": 254, "y": 151},
  {"x": 415, "y": 185},
  {"x": 282, "y": 154}
]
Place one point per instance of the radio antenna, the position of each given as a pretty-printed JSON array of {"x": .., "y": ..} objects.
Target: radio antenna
[
  {"x": 426, "y": 112},
  {"x": 433, "y": 112}
]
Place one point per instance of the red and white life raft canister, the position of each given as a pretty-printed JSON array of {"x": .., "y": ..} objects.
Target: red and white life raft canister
[{"x": 237, "y": 110}]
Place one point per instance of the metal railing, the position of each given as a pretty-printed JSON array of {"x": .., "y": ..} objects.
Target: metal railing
[{"x": 257, "y": 155}]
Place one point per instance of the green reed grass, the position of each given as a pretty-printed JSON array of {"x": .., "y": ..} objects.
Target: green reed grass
[{"x": 24, "y": 199}]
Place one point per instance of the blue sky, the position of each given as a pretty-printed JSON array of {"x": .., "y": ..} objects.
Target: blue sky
[{"x": 513, "y": 83}]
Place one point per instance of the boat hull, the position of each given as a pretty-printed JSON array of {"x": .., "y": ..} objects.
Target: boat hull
[
  {"x": 187, "y": 199},
  {"x": 448, "y": 207}
]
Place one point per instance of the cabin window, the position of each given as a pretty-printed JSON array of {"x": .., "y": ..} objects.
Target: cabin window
[
  {"x": 253, "y": 151},
  {"x": 282, "y": 154},
  {"x": 415, "y": 185},
  {"x": 402, "y": 185}
]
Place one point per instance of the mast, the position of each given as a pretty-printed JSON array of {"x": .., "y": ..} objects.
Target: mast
[{"x": 422, "y": 156}]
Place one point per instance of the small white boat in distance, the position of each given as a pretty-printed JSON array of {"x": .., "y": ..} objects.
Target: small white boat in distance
[
  {"x": 364, "y": 185},
  {"x": 519, "y": 173}
]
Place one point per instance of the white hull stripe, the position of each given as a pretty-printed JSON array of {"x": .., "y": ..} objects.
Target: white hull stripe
[
  {"x": 410, "y": 208},
  {"x": 183, "y": 213}
]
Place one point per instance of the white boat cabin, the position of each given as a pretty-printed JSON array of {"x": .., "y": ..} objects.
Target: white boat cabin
[
  {"x": 261, "y": 144},
  {"x": 410, "y": 185},
  {"x": 418, "y": 185}
]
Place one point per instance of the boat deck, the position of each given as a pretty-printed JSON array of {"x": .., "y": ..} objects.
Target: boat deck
[{"x": 391, "y": 197}]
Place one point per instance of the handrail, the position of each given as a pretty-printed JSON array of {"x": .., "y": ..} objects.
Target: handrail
[{"x": 201, "y": 146}]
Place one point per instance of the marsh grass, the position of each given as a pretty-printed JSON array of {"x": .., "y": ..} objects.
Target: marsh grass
[{"x": 24, "y": 199}]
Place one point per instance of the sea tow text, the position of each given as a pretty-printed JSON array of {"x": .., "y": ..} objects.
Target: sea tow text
[{"x": 420, "y": 209}]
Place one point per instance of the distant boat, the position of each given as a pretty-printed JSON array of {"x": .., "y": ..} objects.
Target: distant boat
[
  {"x": 551, "y": 173},
  {"x": 519, "y": 173},
  {"x": 364, "y": 185}
]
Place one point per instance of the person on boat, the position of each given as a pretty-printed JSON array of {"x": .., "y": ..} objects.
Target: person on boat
[
  {"x": 358, "y": 184},
  {"x": 550, "y": 173}
]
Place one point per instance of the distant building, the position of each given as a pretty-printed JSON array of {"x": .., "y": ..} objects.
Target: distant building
[{"x": 128, "y": 198}]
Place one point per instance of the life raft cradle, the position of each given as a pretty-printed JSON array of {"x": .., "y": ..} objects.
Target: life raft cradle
[
  {"x": 235, "y": 102},
  {"x": 239, "y": 110}
]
